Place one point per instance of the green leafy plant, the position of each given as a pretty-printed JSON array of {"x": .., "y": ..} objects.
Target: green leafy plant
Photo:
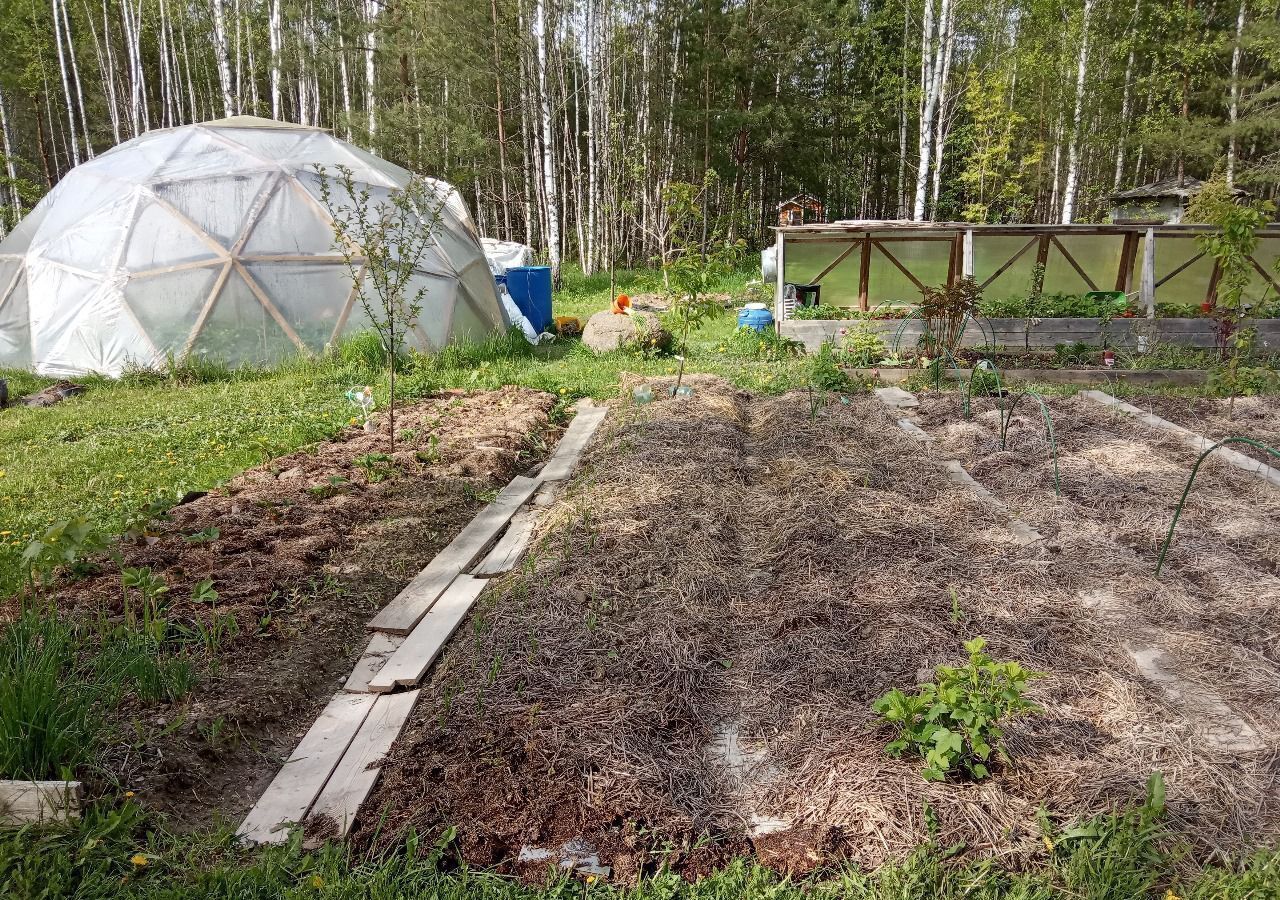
[
  {"x": 383, "y": 242},
  {"x": 151, "y": 589},
  {"x": 375, "y": 466},
  {"x": 204, "y": 536},
  {"x": 862, "y": 345},
  {"x": 64, "y": 543},
  {"x": 700, "y": 254},
  {"x": 765, "y": 346},
  {"x": 824, "y": 371},
  {"x": 954, "y": 722}
]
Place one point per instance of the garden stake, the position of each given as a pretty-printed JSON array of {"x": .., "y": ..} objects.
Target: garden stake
[{"x": 1164, "y": 548}]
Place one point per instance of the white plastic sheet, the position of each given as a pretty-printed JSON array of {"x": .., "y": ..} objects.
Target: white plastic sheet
[
  {"x": 214, "y": 239},
  {"x": 503, "y": 255}
]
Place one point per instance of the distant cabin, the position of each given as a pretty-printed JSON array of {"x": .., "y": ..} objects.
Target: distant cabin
[
  {"x": 1158, "y": 203},
  {"x": 801, "y": 209}
]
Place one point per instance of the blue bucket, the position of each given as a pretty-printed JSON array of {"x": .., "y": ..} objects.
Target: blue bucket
[
  {"x": 530, "y": 288},
  {"x": 755, "y": 316}
]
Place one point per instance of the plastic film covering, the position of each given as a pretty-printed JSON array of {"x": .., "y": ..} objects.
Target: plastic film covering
[{"x": 215, "y": 240}]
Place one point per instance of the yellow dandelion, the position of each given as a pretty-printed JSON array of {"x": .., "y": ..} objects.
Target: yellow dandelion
[
  {"x": 128, "y": 793},
  {"x": 591, "y": 879},
  {"x": 118, "y": 475},
  {"x": 2, "y": 473},
  {"x": 5, "y": 533},
  {"x": 1048, "y": 844},
  {"x": 564, "y": 390},
  {"x": 139, "y": 859},
  {"x": 317, "y": 881},
  {"x": 1170, "y": 895}
]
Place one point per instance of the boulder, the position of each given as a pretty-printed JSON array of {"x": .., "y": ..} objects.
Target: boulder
[{"x": 606, "y": 331}]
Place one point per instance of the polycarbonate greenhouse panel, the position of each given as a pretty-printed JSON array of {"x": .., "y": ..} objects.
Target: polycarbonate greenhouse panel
[{"x": 215, "y": 239}]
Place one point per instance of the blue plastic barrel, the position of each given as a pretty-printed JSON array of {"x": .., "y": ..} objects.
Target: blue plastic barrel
[
  {"x": 755, "y": 316},
  {"x": 530, "y": 288}
]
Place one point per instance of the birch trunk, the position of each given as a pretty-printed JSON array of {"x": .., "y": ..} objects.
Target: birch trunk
[
  {"x": 902, "y": 118},
  {"x": 1233, "y": 112},
  {"x": 72, "y": 140},
  {"x": 274, "y": 42},
  {"x": 10, "y": 168},
  {"x": 370, "y": 49},
  {"x": 342, "y": 71},
  {"x": 930, "y": 72},
  {"x": 1073, "y": 149},
  {"x": 107, "y": 71},
  {"x": 502, "y": 134},
  {"x": 548, "y": 160},
  {"x": 220, "y": 52},
  {"x": 946, "y": 44},
  {"x": 75, "y": 80}
]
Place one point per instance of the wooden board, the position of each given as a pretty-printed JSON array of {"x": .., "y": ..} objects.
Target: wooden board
[
  {"x": 511, "y": 546},
  {"x": 1025, "y": 534},
  {"x": 381, "y": 646},
  {"x": 407, "y": 666},
  {"x": 1190, "y": 438},
  {"x": 407, "y": 609},
  {"x": 574, "y": 441},
  {"x": 289, "y": 796},
  {"x": 358, "y": 771},
  {"x": 37, "y": 802}
]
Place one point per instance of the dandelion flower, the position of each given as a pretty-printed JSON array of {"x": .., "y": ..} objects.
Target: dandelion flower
[
  {"x": 128, "y": 793},
  {"x": 139, "y": 859},
  {"x": 1048, "y": 844},
  {"x": 317, "y": 881}
]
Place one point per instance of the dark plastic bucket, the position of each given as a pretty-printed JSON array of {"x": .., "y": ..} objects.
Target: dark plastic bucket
[
  {"x": 807, "y": 294},
  {"x": 530, "y": 288}
]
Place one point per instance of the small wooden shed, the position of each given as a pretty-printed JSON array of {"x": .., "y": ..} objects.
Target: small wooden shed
[
  {"x": 802, "y": 209},
  {"x": 1158, "y": 203}
]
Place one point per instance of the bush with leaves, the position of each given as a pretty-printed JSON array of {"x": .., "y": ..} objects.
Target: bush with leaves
[
  {"x": 862, "y": 345},
  {"x": 954, "y": 723},
  {"x": 945, "y": 311},
  {"x": 825, "y": 373}
]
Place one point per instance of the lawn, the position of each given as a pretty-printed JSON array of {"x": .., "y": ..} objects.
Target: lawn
[
  {"x": 112, "y": 453},
  {"x": 743, "y": 570}
]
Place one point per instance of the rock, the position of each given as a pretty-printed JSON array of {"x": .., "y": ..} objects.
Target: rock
[
  {"x": 606, "y": 331},
  {"x": 295, "y": 472}
]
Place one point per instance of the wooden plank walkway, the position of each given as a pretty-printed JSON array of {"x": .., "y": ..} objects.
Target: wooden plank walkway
[
  {"x": 304, "y": 775},
  {"x": 1190, "y": 438},
  {"x": 353, "y": 779},
  {"x": 375, "y": 656},
  {"x": 575, "y": 439},
  {"x": 407, "y": 666},
  {"x": 511, "y": 546},
  {"x": 406, "y": 610}
]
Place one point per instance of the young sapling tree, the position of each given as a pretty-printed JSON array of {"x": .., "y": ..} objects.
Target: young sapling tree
[{"x": 383, "y": 241}]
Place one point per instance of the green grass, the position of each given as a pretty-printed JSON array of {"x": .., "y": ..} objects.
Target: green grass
[
  {"x": 124, "y": 445},
  {"x": 118, "y": 852}
]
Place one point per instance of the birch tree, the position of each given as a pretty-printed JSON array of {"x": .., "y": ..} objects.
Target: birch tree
[{"x": 1073, "y": 150}]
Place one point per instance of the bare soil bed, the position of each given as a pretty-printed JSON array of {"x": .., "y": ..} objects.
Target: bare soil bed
[
  {"x": 307, "y": 548},
  {"x": 683, "y": 669}
]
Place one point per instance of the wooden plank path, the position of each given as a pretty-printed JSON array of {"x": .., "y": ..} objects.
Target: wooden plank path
[
  {"x": 1190, "y": 438},
  {"x": 357, "y": 772},
  {"x": 303, "y": 776},
  {"x": 406, "y": 610},
  {"x": 336, "y": 765}
]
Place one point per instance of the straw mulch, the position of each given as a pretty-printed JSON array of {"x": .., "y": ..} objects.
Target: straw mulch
[{"x": 692, "y": 649}]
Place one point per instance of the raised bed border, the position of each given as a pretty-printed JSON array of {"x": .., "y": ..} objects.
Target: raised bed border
[
  {"x": 1083, "y": 377},
  {"x": 1040, "y": 334}
]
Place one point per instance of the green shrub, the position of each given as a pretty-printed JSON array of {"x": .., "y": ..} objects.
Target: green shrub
[
  {"x": 862, "y": 345},
  {"x": 765, "y": 345},
  {"x": 953, "y": 723}
]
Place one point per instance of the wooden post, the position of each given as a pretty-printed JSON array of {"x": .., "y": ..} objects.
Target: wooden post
[
  {"x": 1211, "y": 295},
  {"x": 953, "y": 261},
  {"x": 779, "y": 294},
  {"x": 1042, "y": 251},
  {"x": 1129, "y": 252},
  {"x": 864, "y": 275},
  {"x": 1147, "y": 286},
  {"x": 966, "y": 268}
]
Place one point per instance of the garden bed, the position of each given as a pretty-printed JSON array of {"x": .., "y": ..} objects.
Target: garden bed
[
  {"x": 684, "y": 668},
  {"x": 1251, "y": 417},
  {"x": 1100, "y": 375},
  {"x": 300, "y": 553}
]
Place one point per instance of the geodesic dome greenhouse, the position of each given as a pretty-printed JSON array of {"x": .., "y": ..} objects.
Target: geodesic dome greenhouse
[{"x": 214, "y": 240}]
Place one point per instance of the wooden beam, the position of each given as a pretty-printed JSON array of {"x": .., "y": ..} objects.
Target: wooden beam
[
  {"x": 270, "y": 307},
  {"x": 893, "y": 259},
  {"x": 39, "y": 802},
  {"x": 864, "y": 276},
  {"x": 1147, "y": 284},
  {"x": 817, "y": 279},
  {"x": 1211, "y": 293},
  {"x": 409, "y": 664},
  {"x": 1264, "y": 273},
  {"x": 511, "y": 546},
  {"x": 575, "y": 439},
  {"x": 205, "y": 310},
  {"x": 966, "y": 267},
  {"x": 1009, "y": 262},
  {"x": 1182, "y": 268},
  {"x": 1128, "y": 252},
  {"x": 1075, "y": 265},
  {"x": 780, "y": 288}
]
